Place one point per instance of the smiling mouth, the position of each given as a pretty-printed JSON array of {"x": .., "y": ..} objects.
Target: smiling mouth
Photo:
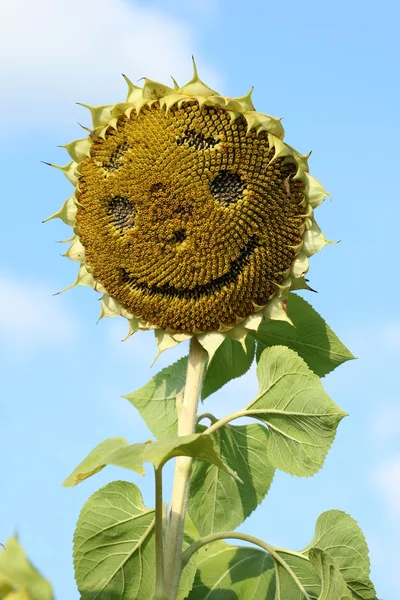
[{"x": 198, "y": 291}]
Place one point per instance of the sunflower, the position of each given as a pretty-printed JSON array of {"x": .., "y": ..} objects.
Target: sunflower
[{"x": 190, "y": 214}]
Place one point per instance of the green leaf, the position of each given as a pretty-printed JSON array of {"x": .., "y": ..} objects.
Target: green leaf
[
  {"x": 114, "y": 552},
  {"x": 340, "y": 538},
  {"x": 156, "y": 401},
  {"x": 6, "y": 585},
  {"x": 229, "y": 361},
  {"x": 228, "y": 572},
  {"x": 339, "y": 535},
  {"x": 301, "y": 417},
  {"x": 310, "y": 337},
  {"x": 15, "y": 567},
  {"x": 20, "y": 594},
  {"x": 223, "y": 571},
  {"x": 217, "y": 502},
  {"x": 294, "y": 576},
  {"x": 333, "y": 586},
  {"x": 113, "y": 451},
  {"x": 196, "y": 446},
  {"x": 118, "y": 452},
  {"x": 95, "y": 461},
  {"x": 335, "y": 566}
]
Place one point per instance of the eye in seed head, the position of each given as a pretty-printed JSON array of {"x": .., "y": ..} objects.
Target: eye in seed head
[
  {"x": 179, "y": 235},
  {"x": 227, "y": 188},
  {"x": 123, "y": 213}
]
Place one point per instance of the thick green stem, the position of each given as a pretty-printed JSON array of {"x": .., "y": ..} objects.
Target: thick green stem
[
  {"x": 160, "y": 593},
  {"x": 187, "y": 411},
  {"x": 223, "y": 535}
]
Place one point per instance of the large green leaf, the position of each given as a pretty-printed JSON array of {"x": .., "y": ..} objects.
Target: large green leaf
[
  {"x": 114, "y": 553},
  {"x": 228, "y": 572},
  {"x": 316, "y": 575},
  {"x": 333, "y": 586},
  {"x": 118, "y": 452},
  {"x": 335, "y": 566},
  {"x": 232, "y": 573},
  {"x": 294, "y": 576},
  {"x": 339, "y": 535},
  {"x": 301, "y": 417},
  {"x": 156, "y": 401},
  {"x": 229, "y": 361},
  {"x": 217, "y": 502},
  {"x": 16, "y": 569},
  {"x": 310, "y": 337}
]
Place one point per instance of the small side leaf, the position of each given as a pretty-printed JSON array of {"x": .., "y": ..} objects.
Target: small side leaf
[
  {"x": 119, "y": 453},
  {"x": 217, "y": 502},
  {"x": 156, "y": 401},
  {"x": 95, "y": 461},
  {"x": 17, "y": 569},
  {"x": 229, "y": 361},
  {"x": 196, "y": 446},
  {"x": 301, "y": 417},
  {"x": 310, "y": 337},
  {"x": 114, "y": 553}
]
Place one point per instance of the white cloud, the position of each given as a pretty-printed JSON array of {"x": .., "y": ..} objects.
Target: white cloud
[
  {"x": 30, "y": 316},
  {"x": 55, "y": 53},
  {"x": 387, "y": 480}
]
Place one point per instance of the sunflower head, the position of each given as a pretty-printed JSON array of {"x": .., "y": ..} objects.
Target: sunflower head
[{"x": 190, "y": 214}]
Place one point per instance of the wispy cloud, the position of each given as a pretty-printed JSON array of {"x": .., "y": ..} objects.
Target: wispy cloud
[
  {"x": 386, "y": 479},
  {"x": 31, "y": 317},
  {"x": 205, "y": 8},
  {"x": 390, "y": 335},
  {"x": 385, "y": 422},
  {"x": 55, "y": 53}
]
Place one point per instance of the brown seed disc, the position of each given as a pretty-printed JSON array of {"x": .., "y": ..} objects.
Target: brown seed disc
[{"x": 184, "y": 218}]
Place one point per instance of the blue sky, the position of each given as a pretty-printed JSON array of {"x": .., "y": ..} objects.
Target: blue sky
[{"x": 331, "y": 70}]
